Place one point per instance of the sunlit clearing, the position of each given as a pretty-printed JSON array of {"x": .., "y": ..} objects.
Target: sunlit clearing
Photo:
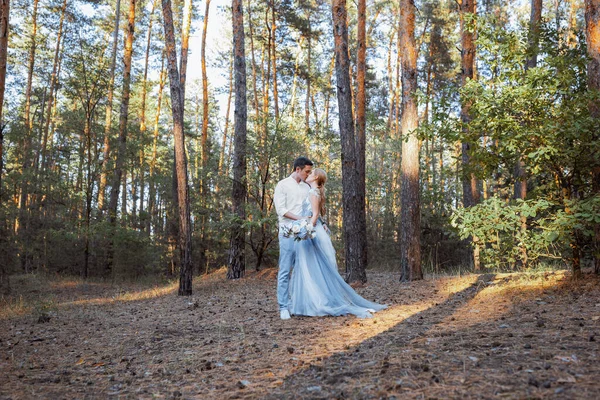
[
  {"x": 360, "y": 330},
  {"x": 498, "y": 296},
  {"x": 128, "y": 296}
]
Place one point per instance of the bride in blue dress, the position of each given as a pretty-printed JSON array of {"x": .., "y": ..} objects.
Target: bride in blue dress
[{"x": 316, "y": 287}]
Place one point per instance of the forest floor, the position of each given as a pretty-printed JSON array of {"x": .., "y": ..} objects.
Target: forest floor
[{"x": 521, "y": 335}]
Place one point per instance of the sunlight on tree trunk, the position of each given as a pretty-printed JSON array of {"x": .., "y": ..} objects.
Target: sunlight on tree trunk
[
  {"x": 410, "y": 218},
  {"x": 592, "y": 33}
]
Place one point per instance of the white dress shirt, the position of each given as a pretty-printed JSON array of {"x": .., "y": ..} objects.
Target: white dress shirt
[{"x": 289, "y": 196}]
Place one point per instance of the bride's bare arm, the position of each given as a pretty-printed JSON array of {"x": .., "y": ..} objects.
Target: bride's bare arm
[{"x": 315, "y": 201}]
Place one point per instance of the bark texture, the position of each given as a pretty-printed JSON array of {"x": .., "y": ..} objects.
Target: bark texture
[
  {"x": 410, "y": 209},
  {"x": 592, "y": 34},
  {"x": 205, "y": 110},
  {"x": 467, "y": 9},
  {"x": 4, "y": 16},
  {"x": 361, "y": 127},
  {"x": 123, "y": 118},
  {"x": 237, "y": 260},
  {"x": 352, "y": 208},
  {"x": 185, "y": 229}
]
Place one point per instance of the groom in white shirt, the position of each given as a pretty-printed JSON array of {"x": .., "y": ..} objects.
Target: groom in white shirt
[{"x": 289, "y": 195}]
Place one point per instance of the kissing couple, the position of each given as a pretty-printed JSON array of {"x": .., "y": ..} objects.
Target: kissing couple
[{"x": 308, "y": 282}]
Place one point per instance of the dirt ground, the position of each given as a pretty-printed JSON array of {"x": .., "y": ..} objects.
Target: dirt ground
[{"x": 476, "y": 336}]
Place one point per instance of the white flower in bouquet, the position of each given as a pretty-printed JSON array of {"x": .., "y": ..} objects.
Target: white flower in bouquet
[{"x": 300, "y": 230}]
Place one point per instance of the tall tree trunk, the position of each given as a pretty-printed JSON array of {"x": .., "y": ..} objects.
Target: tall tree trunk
[
  {"x": 109, "y": 106},
  {"x": 295, "y": 78},
  {"x": 4, "y": 18},
  {"x": 237, "y": 261},
  {"x": 308, "y": 78},
  {"x": 53, "y": 79},
  {"x": 23, "y": 199},
  {"x": 185, "y": 228},
  {"x": 204, "y": 104},
  {"x": 123, "y": 118},
  {"x": 254, "y": 74},
  {"x": 535, "y": 20},
  {"x": 185, "y": 40},
  {"x": 221, "y": 168},
  {"x": 88, "y": 194},
  {"x": 361, "y": 127},
  {"x": 410, "y": 217},
  {"x": 355, "y": 269},
  {"x": 469, "y": 183},
  {"x": 143, "y": 111},
  {"x": 592, "y": 34},
  {"x": 152, "y": 210},
  {"x": 274, "y": 61},
  {"x": 202, "y": 265}
]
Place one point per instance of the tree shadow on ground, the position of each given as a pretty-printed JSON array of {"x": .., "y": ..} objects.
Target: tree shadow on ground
[
  {"x": 329, "y": 377},
  {"x": 529, "y": 343}
]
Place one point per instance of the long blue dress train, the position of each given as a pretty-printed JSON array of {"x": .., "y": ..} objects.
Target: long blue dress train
[{"x": 316, "y": 287}]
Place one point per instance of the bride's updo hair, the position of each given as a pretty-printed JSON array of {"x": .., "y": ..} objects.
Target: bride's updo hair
[{"x": 321, "y": 178}]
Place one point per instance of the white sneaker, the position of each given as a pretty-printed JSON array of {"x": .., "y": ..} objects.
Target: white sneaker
[{"x": 284, "y": 314}]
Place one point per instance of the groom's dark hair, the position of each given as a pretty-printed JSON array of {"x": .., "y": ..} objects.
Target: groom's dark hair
[{"x": 302, "y": 162}]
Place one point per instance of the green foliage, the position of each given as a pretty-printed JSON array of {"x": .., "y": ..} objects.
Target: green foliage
[
  {"x": 526, "y": 232},
  {"x": 540, "y": 115}
]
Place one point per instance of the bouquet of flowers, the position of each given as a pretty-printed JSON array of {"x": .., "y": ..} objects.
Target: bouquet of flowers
[{"x": 300, "y": 230}]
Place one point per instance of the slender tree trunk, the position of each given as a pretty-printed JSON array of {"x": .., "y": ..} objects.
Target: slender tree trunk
[
  {"x": 31, "y": 64},
  {"x": 352, "y": 208},
  {"x": 308, "y": 78},
  {"x": 391, "y": 97},
  {"x": 410, "y": 218},
  {"x": 53, "y": 79},
  {"x": 151, "y": 180},
  {"x": 88, "y": 194},
  {"x": 205, "y": 109},
  {"x": 24, "y": 197},
  {"x": 328, "y": 91},
  {"x": 182, "y": 75},
  {"x": 124, "y": 218},
  {"x": 361, "y": 127},
  {"x": 237, "y": 260},
  {"x": 185, "y": 229},
  {"x": 143, "y": 111},
  {"x": 274, "y": 61},
  {"x": 295, "y": 78},
  {"x": 467, "y": 9},
  {"x": 109, "y": 105},
  {"x": 592, "y": 33},
  {"x": 469, "y": 181},
  {"x": 4, "y": 24},
  {"x": 225, "y": 131},
  {"x": 123, "y": 118},
  {"x": 533, "y": 39},
  {"x": 185, "y": 40},
  {"x": 254, "y": 74}
]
